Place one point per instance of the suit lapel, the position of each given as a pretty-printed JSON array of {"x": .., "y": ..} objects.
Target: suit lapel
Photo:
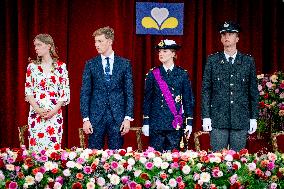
[
  {"x": 97, "y": 69},
  {"x": 238, "y": 60}
]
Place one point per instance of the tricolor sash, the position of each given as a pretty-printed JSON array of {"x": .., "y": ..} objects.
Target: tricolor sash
[{"x": 177, "y": 122}]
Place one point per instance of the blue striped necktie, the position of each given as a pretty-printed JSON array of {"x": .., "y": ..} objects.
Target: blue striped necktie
[{"x": 107, "y": 69}]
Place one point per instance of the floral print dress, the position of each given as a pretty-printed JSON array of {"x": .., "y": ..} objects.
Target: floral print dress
[{"x": 47, "y": 90}]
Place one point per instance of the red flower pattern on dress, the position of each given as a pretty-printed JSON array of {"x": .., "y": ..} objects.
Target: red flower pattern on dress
[
  {"x": 50, "y": 130},
  {"x": 52, "y": 78},
  {"x": 40, "y": 135},
  {"x": 40, "y": 69},
  {"x": 32, "y": 142}
]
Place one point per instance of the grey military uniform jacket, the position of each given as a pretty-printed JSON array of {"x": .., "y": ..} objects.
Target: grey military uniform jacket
[{"x": 229, "y": 91}]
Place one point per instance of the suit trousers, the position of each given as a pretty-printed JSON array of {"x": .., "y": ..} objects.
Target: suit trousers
[
  {"x": 106, "y": 127},
  {"x": 224, "y": 138},
  {"x": 162, "y": 140}
]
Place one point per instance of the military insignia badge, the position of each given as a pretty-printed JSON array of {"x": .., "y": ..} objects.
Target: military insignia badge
[
  {"x": 222, "y": 62},
  {"x": 178, "y": 98},
  {"x": 161, "y": 43},
  {"x": 226, "y": 25}
]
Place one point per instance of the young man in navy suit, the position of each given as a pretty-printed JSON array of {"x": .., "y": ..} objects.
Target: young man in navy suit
[{"x": 106, "y": 100}]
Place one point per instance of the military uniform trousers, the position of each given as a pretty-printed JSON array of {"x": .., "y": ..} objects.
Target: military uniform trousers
[
  {"x": 162, "y": 140},
  {"x": 224, "y": 138}
]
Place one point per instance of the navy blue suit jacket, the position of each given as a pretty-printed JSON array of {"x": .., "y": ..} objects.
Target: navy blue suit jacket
[{"x": 97, "y": 94}]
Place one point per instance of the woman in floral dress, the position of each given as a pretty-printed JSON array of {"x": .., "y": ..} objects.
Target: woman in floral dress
[{"x": 47, "y": 90}]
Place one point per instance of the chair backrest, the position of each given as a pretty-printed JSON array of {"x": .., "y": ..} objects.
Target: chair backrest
[
  {"x": 138, "y": 132},
  {"x": 22, "y": 134},
  {"x": 278, "y": 141},
  {"x": 83, "y": 137},
  {"x": 202, "y": 141}
]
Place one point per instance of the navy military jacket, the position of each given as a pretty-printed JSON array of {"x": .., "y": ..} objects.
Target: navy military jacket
[
  {"x": 156, "y": 111},
  {"x": 229, "y": 91},
  {"x": 97, "y": 94}
]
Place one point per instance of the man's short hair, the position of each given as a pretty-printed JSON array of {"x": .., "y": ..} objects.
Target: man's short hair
[{"x": 107, "y": 31}]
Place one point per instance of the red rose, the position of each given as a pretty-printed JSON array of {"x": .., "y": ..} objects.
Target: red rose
[
  {"x": 181, "y": 185},
  {"x": 266, "y": 95},
  {"x": 79, "y": 176},
  {"x": 28, "y": 162},
  {"x": 261, "y": 104},
  {"x": 243, "y": 152},
  {"x": 35, "y": 171},
  {"x": 163, "y": 175},
  {"x": 55, "y": 156},
  {"x": 2, "y": 164},
  {"x": 236, "y": 156},
  {"x": 144, "y": 176},
  {"x": 182, "y": 163},
  {"x": 122, "y": 152},
  {"x": 197, "y": 186},
  {"x": 21, "y": 175},
  {"x": 54, "y": 171},
  {"x": 125, "y": 165},
  {"x": 63, "y": 164},
  {"x": 93, "y": 166},
  {"x": 204, "y": 159}
]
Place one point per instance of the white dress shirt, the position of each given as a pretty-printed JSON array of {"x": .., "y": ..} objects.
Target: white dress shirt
[{"x": 233, "y": 56}]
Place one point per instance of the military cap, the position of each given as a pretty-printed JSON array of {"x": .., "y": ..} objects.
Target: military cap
[
  {"x": 168, "y": 44},
  {"x": 230, "y": 27}
]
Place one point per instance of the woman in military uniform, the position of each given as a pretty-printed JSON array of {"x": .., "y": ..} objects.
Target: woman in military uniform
[{"x": 168, "y": 101}]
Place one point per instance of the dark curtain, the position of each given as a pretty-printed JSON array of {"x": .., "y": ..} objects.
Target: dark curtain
[{"x": 71, "y": 24}]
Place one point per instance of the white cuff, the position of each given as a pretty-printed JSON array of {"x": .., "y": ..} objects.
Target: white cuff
[
  {"x": 86, "y": 119},
  {"x": 128, "y": 118}
]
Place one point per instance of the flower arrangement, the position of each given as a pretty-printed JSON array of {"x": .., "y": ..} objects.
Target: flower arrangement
[
  {"x": 127, "y": 169},
  {"x": 271, "y": 102}
]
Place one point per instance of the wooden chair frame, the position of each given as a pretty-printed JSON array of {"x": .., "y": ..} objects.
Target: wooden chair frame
[
  {"x": 196, "y": 139},
  {"x": 274, "y": 139},
  {"x": 138, "y": 132},
  {"x": 22, "y": 130}
]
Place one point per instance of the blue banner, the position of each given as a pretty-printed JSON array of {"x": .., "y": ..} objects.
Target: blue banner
[{"x": 159, "y": 18}]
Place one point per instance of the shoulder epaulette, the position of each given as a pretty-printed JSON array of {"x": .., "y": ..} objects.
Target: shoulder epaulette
[
  {"x": 150, "y": 70},
  {"x": 216, "y": 53}
]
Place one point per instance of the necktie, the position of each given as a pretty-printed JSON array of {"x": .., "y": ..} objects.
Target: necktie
[
  {"x": 168, "y": 72},
  {"x": 107, "y": 69},
  {"x": 231, "y": 60}
]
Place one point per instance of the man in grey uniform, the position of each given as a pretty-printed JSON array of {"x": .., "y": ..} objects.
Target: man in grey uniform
[{"x": 229, "y": 93}]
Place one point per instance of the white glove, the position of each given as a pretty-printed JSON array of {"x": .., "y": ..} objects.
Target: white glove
[
  {"x": 145, "y": 130},
  {"x": 253, "y": 126},
  {"x": 188, "y": 131},
  {"x": 207, "y": 124}
]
